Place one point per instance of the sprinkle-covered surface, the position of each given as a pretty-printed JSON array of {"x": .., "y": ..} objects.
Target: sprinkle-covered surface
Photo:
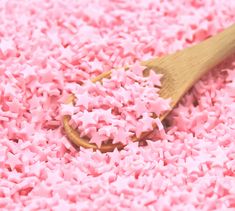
[{"x": 48, "y": 48}]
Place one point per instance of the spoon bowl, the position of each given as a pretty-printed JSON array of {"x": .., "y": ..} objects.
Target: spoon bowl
[{"x": 180, "y": 71}]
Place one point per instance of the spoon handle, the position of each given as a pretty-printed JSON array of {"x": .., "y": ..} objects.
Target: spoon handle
[
  {"x": 192, "y": 63},
  {"x": 184, "y": 68},
  {"x": 189, "y": 65},
  {"x": 213, "y": 51}
]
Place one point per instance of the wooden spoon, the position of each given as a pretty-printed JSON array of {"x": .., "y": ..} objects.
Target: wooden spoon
[{"x": 180, "y": 70}]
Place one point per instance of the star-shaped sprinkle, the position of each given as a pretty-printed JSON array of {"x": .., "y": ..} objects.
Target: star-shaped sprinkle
[
  {"x": 155, "y": 78},
  {"x": 122, "y": 136},
  {"x": 159, "y": 105},
  {"x": 147, "y": 122},
  {"x": 138, "y": 69},
  {"x": 98, "y": 139},
  {"x": 87, "y": 119},
  {"x": 96, "y": 65},
  {"x": 83, "y": 99},
  {"x": 128, "y": 47},
  {"x": 140, "y": 107},
  {"x": 68, "y": 109},
  {"x": 108, "y": 131},
  {"x": 90, "y": 131},
  {"x": 6, "y": 45}
]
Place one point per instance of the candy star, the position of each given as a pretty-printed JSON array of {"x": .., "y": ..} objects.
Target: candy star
[
  {"x": 87, "y": 119},
  {"x": 83, "y": 100},
  {"x": 220, "y": 157},
  {"x": 159, "y": 105},
  {"x": 155, "y": 78},
  {"x": 140, "y": 107},
  {"x": 98, "y": 139},
  {"x": 147, "y": 122},
  {"x": 119, "y": 123},
  {"x": 108, "y": 131},
  {"x": 68, "y": 109},
  {"x": 121, "y": 137},
  {"x": 90, "y": 131},
  {"x": 107, "y": 115},
  {"x": 13, "y": 160},
  {"x": 128, "y": 47},
  {"x": 66, "y": 53},
  {"x": 6, "y": 45},
  {"x": 138, "y": 69},
  {"x": 192, "y": 165},
  {"x": 96, "y": 65}
]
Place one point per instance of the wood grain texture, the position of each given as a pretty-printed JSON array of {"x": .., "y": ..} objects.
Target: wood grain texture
[
  {"x": 180, "y": 70},
  {"x": 183, "y": 69}
]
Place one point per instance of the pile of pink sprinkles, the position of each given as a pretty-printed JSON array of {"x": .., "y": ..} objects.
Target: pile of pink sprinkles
[
  {"x": 118, "y": 108},
  {"x": 52, "y": 48}
]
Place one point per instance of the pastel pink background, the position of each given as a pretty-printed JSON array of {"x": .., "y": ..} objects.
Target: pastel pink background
[{"x": 48, "y": 47}]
